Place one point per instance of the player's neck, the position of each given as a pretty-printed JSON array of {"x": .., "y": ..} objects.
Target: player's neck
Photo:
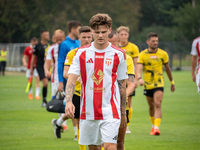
[
  {"x": 101, "y": 47},
  {"x": 123, "y": 43},
  {"x": 71, "y": 36},
  {"x": 44, "y": 42},
  {"x": 152, "y": 50}
]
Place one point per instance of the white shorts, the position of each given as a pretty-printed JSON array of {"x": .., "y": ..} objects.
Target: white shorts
[
  {"x": 197, "y": 81},
  {"x": 35, "y": 73},
  {"x": 54, "y": 87},
  {"x": 97, "y": 132}
]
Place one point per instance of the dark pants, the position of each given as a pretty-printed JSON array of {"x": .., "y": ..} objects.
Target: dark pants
[{"x": 2, "y": 67}]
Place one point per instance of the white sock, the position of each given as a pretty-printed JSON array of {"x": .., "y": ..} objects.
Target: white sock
[
  {"x": 30, "y": 90},
  {"x": 75, "y": 130},
  {"x": 152, "y": 126},
  {"x": 37, "y": 91},
  {"x": 59, "y": 121},
  {"x": 65, "y": 122},
  {"x": 156, "y": 128}
]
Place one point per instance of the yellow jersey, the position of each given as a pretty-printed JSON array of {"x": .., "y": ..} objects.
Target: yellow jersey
[
  {"x": 152, "y": 67},
  {"x": 131, "y": 50},
  {"x": 68, "y": 61},
  {"x": 130, "y": 71},
  {"x": 2, "y": 55}
]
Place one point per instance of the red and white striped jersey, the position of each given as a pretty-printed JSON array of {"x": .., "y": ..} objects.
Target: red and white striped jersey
[
  {"x": 196, "y": 51},
  {"x": 52, "y": 54},
  {"x": 100, "y": 70}
]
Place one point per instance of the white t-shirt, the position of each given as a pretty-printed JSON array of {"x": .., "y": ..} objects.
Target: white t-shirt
[
  {"x": 52, "y": 54},
  {"x": 196, "y": 50},
  {"x": 100, "y": 70}
]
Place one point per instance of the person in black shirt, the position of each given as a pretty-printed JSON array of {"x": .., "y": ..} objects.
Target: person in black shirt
[{"x": 39, "y": 54}]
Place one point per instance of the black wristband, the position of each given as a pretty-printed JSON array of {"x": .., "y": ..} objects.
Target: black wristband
[{"x": 139, "y": 78}]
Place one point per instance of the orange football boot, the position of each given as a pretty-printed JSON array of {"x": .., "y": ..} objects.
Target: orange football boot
[
  {"x": 30, "y": 96},
  {"x": 152, "y": 131},
  {"x": 156, "y": 132}
]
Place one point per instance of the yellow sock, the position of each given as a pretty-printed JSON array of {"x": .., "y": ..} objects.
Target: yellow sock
[
  {"x": 130, "y": 115},
  {"x": 82, "y": 147},
  {"x": 152, "y": 119},
  {"x": 157, "y": 122},
  {"x": 102, "y": 148}
]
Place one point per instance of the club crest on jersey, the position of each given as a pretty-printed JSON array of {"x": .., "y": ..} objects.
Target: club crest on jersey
[
  {"x": 67, "y": 59},
  {"x": 108, "y": 61},
  {"x": 97, "y": 77}
]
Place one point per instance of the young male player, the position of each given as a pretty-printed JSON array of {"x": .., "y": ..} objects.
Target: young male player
[
  {"x": 132, "y": 50},
  {"x": 103, "y": 87},
  {"x": 68, "y": 44},
  {"x": 26, "y": 62},
  {"x": 195, "y": 52},
  {"x": 113, "y": 38},
  {"x": 39, "y": 53},
  {"x": 151, "y": 61}
]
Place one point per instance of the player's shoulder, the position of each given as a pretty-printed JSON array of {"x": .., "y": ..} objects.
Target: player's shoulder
[
  {"x": 72, "y": 52},
  {"x": 162, "y": 51},
  {"x": 84, "y": 48},
  {"x": 197, "y": 39},
  {"x": 145, "y": 51},
  {"x": 52, "y": 46},
  {"x": 132, "y": 44},
  {"x": 118, "y": 50}
]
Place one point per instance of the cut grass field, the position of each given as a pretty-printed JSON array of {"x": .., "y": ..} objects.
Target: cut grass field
[{"x": 25, "y": 125}]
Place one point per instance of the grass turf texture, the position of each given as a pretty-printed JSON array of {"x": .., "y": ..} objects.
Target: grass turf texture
[{"x": 24, "y": 124}]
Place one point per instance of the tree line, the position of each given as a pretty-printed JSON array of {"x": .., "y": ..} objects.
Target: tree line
[{"x": 172, "y": 20}]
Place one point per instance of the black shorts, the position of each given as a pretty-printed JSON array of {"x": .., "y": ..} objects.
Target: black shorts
[
  {"x": 151, "y": 92},
  {"x": 127, "y": 113},
  {"x": 133, "y": 93},
  {"x": 40, "y": 71},
  {"x": 76, "y": 101}
]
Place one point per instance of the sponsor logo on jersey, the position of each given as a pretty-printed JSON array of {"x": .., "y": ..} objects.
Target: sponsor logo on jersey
[
  {"x": 108, "y": 61},
  {"x": 98, "y": 56},
  {"x": 97, "y": 90},
  {"x": 90, "y": 61},
  {"x": 87, "y": 113},
  {"x": 153, "y": 57},
  {"x": 97, "y": 77}
]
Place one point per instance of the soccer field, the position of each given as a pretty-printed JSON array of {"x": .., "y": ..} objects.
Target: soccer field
[{"x": 25, "y": 125}]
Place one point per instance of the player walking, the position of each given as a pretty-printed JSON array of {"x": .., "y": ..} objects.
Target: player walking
[
  {"x": 195, "y": 52},
  {"x": 103, "y": 88},
  {"x": 133, "y": 51},
  {"x": 39, "y": 53},
  {"x": 26, "y": 62},
  {"x": 151, "y": 61}
]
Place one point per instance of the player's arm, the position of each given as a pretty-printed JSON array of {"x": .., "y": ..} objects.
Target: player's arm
[
  {"x": 32, "y": 63},
  {"x": 139, "y": 73},
  {"x": 135, "y": 65},
  {"x": 194, "y": 62},
  {"x": 24, "y": 60},
  {"x": 169, "y": 74},
  {"x": 65, "y": 72},
  {"x": 47, "y": 66},
  {"x": 69, "y": 108},
  {"x": 61, "y": 60},
  {"x": 130, "y": 84},
  {"x": 122, "y": 91}
]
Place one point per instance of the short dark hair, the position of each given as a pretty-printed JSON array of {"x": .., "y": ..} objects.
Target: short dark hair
[
  {"x": 112, "y": 33},
  {"x": 84, "y": 29},
  {"x": 34, "y": 39},
  {"x": 43, "y": 31},
  {"x": 151, "y": 34},
  {"x": 100, "y": 19},
  {"x": 73, "y": 24}
]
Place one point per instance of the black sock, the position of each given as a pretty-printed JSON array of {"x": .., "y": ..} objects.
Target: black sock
[{"x": 44, "y": 93}]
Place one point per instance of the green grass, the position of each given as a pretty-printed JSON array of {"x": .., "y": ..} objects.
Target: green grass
[{"x": 25, "y": 125}]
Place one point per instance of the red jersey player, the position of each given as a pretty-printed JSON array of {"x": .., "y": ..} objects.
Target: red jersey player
[
  {"x": 26, "y": 62},
  {"x": 103, "y": 88}
]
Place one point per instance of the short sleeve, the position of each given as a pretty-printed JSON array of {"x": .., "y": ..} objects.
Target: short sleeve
[
  {"x": 141, "y": 59},
  {"x": 135, "y": 51},
  {"x": 69, "y": 58},
  {"x": 193, "y": 49},
  {"x": 165, "y": 58},
  {"x": 49, "y": 56},
  {"x": 122, "y": 69},
  {"x": 130, "y": 66},
  {"x": 26, "y": 51},
  {"x": 75, "y": 65},
  {"x": 35, "y": 50}
]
